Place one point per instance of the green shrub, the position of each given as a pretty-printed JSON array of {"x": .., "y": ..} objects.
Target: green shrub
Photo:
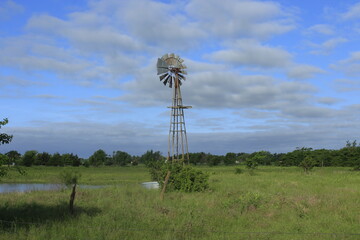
[
  {"x": 69, "y": 177},
  {"x": 238, "y": 170},
  {"x": 307, "y": 164},
  {"x": 182, "y": 178}
]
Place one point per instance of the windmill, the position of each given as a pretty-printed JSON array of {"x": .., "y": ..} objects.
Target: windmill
[{"x": 170, "y": 69}]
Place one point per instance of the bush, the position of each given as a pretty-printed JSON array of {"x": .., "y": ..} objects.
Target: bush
[
  {"x": 307, "y": 164},
  {"x": 182, "y": 178},
  {"x": 238, "y": 170},
  {"x": 69, "y": 177}
]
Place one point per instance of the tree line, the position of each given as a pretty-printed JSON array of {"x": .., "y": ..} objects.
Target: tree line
[{"x": 348, "y": 156}]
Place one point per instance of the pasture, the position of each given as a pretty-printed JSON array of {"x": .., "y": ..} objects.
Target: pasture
[{"x": 269, "y": 203}]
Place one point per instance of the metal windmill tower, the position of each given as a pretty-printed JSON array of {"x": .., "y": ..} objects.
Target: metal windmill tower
[{"x": 170, "y": 69}]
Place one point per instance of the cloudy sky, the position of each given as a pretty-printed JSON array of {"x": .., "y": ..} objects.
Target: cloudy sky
[{"x": 77, "y": 76}]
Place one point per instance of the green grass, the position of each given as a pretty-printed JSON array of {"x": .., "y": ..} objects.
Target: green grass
[
  {"x": 271, "y": 203},
  {"x": 91, "y": 175}
]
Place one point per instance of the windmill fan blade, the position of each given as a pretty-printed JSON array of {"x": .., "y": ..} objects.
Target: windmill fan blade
[
  {"x": 183, "y": 72},
  {"x": 170, "y": 83},
  {"x": 163, "y": 76},
  {"x": 162, "y": 70},
  {"x": 162, "y": 66},
  {"x": 182, "y": 76},
  {"x": 167, "y": 79},
  {"x": 164, "y": 57}
]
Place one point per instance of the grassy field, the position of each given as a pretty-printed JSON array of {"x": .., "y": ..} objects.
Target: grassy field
[{"x": 271, "y": 203}]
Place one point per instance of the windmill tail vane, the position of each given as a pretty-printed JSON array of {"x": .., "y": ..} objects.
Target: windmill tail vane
[{"x": 170, "y": 69}]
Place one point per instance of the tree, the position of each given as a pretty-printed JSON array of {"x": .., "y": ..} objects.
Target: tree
[
  {"x": 13, "y": 156},
  {"x": 71, "y": 179},
  {"x": 56, "y": 160},
  {"x": 70, "y": 159},
  {"x": 230, "y": 158},
  {"x": 29, "y": 158},
  {"x": 5, "y": 138},
  {"x": 150, "y": 156},
  {"x": 213, "y": 160},
  {"x": 254, "y": 159},
  {"x": 307, "y": 164},
  {"x": 98, "y": 158},
  {"x": 121, "y": 158},
  {"x": 42, "y": 158},
  {"x": 3, "y": 160}
]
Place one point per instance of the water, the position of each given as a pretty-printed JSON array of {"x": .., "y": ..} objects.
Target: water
[
  {"x": 27, "y": 187},
  {"x": 150, "y": 185}
]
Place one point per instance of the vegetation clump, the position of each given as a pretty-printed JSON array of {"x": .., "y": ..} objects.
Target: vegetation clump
[
  {"x": 307, "y": 164},
  {"x": 182, "y": 177}
]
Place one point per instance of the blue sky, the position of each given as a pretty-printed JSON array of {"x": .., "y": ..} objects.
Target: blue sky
[{"x": 77, "y": 76}]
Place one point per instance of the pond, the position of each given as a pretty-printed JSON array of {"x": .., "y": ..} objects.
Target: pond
[
  {"x": 150, "y": 185},
  {"x": 27, "y": 187}
]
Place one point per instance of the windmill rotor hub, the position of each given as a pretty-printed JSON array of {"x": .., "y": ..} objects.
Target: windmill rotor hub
[{"x": 169, "y": 67}]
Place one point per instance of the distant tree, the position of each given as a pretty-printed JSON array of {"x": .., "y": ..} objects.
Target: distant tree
[
  {"x": 198, "y": 158},
  {"x": 3, "y": 160},
  {"x": 241, "y": 157},
  {"x": 230, "y": 158},
  {"x": 69, "y": 159},
  {"x": 29, "y": 157},
  {"x": 295, "y": 157},
  {"x": 98, "y": 158},
  {"x": 252, "y": 162},
  {"x": 135, "y": 160},
  {"x": 258, "y": 158},
  {"x": 13, "y": 156},
  {"x": 76, "y": 161},
  {"x": 121, "y": 158},
  {"x": 214, "y": 160},
  {"x": 350, "y": 154},
  {"x": 151, "y": 156},
  {"x": 42, "y": 158},
  {"x": 56, "y": 160}
]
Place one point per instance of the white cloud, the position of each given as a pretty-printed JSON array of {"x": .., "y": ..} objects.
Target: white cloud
[
  {"x": 329, "y": 100},
  {"x": 349, "y": 66},
  {"x": 321, "y": 29},
  {"x": 346, "y": 85},
  {"x": 232, "y": 19},
  {"x": 352, "y": 13},
  {"x": 251, "y": 53},
  {"x": 328, "y": 46},
  {"x": 9, "y": 8},
  {"x": 303, "y": 71}
]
